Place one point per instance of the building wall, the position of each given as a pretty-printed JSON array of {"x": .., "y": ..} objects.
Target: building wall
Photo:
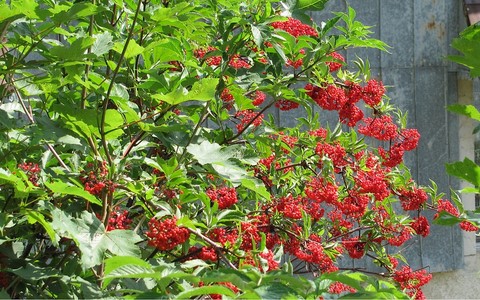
[{"x": 463, "y": 283}]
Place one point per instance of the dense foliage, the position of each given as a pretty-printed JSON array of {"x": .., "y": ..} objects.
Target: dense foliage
[{"x": 141, "y": 156}]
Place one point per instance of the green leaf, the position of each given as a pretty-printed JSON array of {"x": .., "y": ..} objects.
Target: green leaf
[
  {"x": 470, "y": 190},
  {"x": 33, "y": 273},
  {"x": 221, "y": 158},
  {"x": 165, "y": 50},
  {"x": 354, "y": 279},
  {"x": 275, "y": 290},
  {"x": 122, "y": 242},
  {"x": 256, "y": 186},
  {"x": 76, "y": 50},
  {"x": 206, "y": 290},
  {"x": 466, "y": 170},
  {"x": 103, "y": 43},
  {"x": 63, "y": 188},
  {"x": 126, "y": 267},
  {"x": 468, "y": 43},
  {"x": 21, "y": 190},
  {"x": 133, "y": 49},
  {"x": 444, "y": 218},
  {"x": 310, "y": 4},
  {"x": 3, "y": 293},
  {"x": 83, "y": 121},
  {"x": 132, "y": 271},
  {"x": 26, "y": 7},
  {"x": 37, "y": 217},
  {"x": 92, "y": 239},
  {"x": 202, "y": 90},
  {"x": 75, "y": 11},
  {"x": 257, "y": 35},
  {"x": 207, "y": 152},
  {"x": 113, "y": 124},
  {"x": 466, "y": 110}
]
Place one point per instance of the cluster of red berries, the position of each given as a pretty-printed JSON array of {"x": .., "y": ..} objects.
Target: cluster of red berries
[
  {"x": 412, "y": 280},
  {"x": 321, "y": 190},
  {"x": 337, "y": 63},
  {"x": 236, "y": 61},
  {"x": 224, "y": 236},
  {"x": 295, "y": 27},
  {"x": 373, "y": 181},
  {"x": 118, "y": 220},
  {"x": 354, "y": 247},
  {"x": 224, "y": 196},
  {"x": 330, "y": 97},
  {"x": 343, "y": 98},
  {"x": 229, "y": 285},
  {"x": 336, "y": 153},
  {"x": 313, "y": 252},
  {"x": 227, "y": 98},
  {"x": 283, "y": 104},
  {"x": 444, "y": 205},
  {"x": 354, "y": 205},
  {"x": 382, "y": 128},
  {"x": 258, "y": 98},
  {"x": 412, "y": 199},
  {"x": 95, "y": 179},
  {"x": 32, "y": 170},
  {"x": 339, "y": 288},
  {"x": 421, "y": 226},
  {"x": 248, "y": 117},
  {"x": 203, "y": 253},
  {"x": 270, "y": 262},
  {"x": 166, "y": 235},
  {"x": 291, "y": 207},
  {"x": 212, "y": 60}
]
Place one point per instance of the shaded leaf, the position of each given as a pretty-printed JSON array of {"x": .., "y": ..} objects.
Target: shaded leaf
[
  {"x": 37, "y": 217},
  {"x": 63, "y": 188},
  {"x": 32, "y": 273},
  {"x": 21, "y": 190},
  {"x": 275, "y": 290}
]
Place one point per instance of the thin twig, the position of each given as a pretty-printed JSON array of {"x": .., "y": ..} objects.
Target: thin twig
[
  {"x": 112, "y": 82},
  {"x": 29, "y": 114}
]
